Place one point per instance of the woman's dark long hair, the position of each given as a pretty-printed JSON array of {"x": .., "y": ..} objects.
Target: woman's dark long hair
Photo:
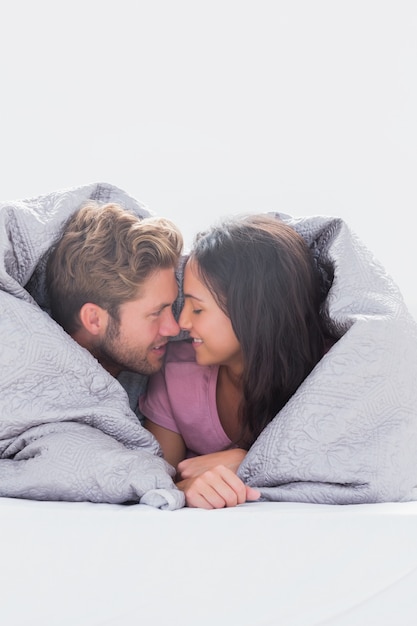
[{"x": 262, "y": 275}]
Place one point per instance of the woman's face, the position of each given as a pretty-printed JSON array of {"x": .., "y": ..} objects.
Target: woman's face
[{"x": 214, "y": 340}]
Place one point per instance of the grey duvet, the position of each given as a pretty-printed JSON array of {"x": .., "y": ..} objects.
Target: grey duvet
[
  {"x": 349, "y": 433},
  {"x": 67, "y": 432}
]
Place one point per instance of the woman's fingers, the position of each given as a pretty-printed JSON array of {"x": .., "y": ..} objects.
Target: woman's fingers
[{"x": 216, "y": 489}]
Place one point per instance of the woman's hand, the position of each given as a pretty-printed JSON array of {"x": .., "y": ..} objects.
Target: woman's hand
[
  {"x": 191, "y": 468},
  {"x": 216, "y": 488}
]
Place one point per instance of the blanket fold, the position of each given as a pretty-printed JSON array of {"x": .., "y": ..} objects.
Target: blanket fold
[
  {"x": 67, "y": 431},
  {"x": 349, "y": 433}
]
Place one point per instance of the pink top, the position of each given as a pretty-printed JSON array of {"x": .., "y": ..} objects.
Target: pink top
[{"x": 182, "y": 397}]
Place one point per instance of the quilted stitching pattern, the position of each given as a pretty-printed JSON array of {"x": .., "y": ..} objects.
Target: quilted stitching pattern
[{"x": 66, "y": 428}]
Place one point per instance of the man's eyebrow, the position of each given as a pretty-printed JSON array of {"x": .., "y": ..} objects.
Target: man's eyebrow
[{"x": 161, "y": 306}]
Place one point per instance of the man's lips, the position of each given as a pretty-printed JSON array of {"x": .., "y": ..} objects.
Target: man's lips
[{"x": 159, "y": 347}]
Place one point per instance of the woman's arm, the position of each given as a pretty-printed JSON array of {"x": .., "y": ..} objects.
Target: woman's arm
[
  {"x": 172, "y": 444},
  {"x": 191, "y": 468},
  {"x": 212, "y": 486},
  {"x": 208, "y": 481}
]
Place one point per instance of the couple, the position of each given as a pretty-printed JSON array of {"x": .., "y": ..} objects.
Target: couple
[{"x": 249, "y": 332}]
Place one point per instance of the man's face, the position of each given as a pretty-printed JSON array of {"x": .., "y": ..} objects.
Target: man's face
[{"x": 137, "y": 342}]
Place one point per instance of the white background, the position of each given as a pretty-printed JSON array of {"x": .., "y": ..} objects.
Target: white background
[{"x": 204, "y": 109}]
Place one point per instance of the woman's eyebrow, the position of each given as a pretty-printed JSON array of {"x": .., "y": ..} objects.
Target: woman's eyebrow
[{"x": 190, "y": 295}]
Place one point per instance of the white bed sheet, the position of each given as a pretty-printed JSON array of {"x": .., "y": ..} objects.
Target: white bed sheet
[{"x": 83, "y": 564}]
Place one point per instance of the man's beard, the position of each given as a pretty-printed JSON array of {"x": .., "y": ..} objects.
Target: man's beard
[{"x": 116, "y": 357}]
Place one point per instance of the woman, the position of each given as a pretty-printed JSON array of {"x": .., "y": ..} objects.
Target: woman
[{"x": 252, "y": 309}]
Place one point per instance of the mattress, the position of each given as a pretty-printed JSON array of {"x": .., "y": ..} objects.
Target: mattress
[{"x": 258, "y": 564}]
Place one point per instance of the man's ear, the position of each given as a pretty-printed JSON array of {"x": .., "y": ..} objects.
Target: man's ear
[{"x": 93, "y": 318}]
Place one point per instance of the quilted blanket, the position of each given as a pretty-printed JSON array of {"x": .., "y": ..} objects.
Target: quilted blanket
[
  {"x": 349, "y": 433},
  {"x": 67, "y": 431}
]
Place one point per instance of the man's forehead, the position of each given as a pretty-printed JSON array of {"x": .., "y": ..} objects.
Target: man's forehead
[{"x": 161, "y": 286}]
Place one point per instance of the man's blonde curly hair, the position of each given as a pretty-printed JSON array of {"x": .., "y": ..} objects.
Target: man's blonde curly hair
[{"x": 104, "y": 256}]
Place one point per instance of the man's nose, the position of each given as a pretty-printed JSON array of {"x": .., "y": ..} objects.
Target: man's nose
[{"x": 169, "y": 327}]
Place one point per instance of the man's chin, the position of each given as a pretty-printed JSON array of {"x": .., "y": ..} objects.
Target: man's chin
[
  {"x": 156, "y": 365},
  {"x": 152, "y": 366}
]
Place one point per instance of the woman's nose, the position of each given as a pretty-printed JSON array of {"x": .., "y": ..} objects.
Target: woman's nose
[{"x": 184, "y": 320}]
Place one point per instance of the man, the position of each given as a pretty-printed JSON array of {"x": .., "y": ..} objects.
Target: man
[{"x": 111, "y": 284}]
